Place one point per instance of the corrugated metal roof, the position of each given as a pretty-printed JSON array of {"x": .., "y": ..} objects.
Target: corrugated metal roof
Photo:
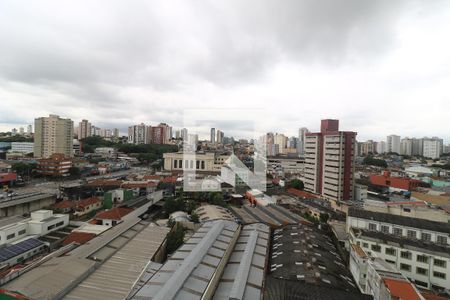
[
  {"x": 188, "y": 272},
  {"x": 244, "y": 255}
]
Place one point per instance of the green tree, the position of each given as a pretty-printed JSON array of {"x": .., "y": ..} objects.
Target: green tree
[
  {"x": 191, "y": 205},
  {"x": 323, "y": 217},
  {"x": 195, "y": 218},
  {"x": 217, "y": 199},
  {"x": 173, "y": 204},
  {"x": 74, "y": 171},
  {"x": 23, "y": 168},
  {"x": 297, "y": 184},
  {"x": 369, "y": 160},
  {"x": 175, "y": 238}
]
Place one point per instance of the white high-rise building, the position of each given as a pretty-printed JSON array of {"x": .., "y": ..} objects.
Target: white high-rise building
[
  {"x": 432, "y": 148},
  {"x": 29, "y": 129},
  {"x": 301, "y": 140},
  {"x": 53, "y": 135},
  {"x": 184, "y": 133},
  {"x": 137, "y": 134},
  {"x": 219, "y": 136},
  {"x": 381, "y": 147},
  {"x": 393, "y": 143},
  {"x": 406, "y": 146}
]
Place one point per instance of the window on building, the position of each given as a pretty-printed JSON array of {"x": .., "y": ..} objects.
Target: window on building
[
  {"x": 426, "y": 237},
  {"x": 60, "y": 224},
  {"x": 390, "y": 261},
  {"x": 421, "y": 283},
  {"x": 365, "y": 245},
  {"x": 180, "y": 164},
  {"x": 384, "y": 229},
  {"x": 422, "y": 258},
  {"x": 390, "y": 251},
  {"x": 405, "y": 267},
  {"x": 407, "y": 210},
  {"x": 412, "y": 234},
  {"x": 440, "y": 263},
  {"x": 203, "y": 164},
  {"x": 441, "y": 239},
  {"x": 372, "y": 226},
  {"x": 175, "y": 164},
  {"x": 439, "y": 275},
  {"x": 398, "y": 231},
  {"x": 421, "y": 271},
  {"x": 376, "y": 248},
  {"x": 405, "y": 254},
  {"x": 22, "y": 232},
  {"x": 10, "y": 236}
]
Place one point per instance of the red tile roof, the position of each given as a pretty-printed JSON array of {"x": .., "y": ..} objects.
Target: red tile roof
[
  {"x": 171, "y": 179},
  {"x": 113, "y": 214},
  {"x": 87, "y": 201},
  {"x": 63, "y": 204},
  {"x": 417, "y": 203},
  {"x": 102, "y": 182},
  {"x": 78, "y": 237},
  {"x": 302, "y": 194},
  {"x": 153, "y": 177},
  {"x": 401, "y": 289},
  {"x": 142, "y": 184}
]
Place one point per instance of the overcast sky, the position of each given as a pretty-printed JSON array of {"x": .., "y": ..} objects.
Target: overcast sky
[{"x": 381, "y": 67}]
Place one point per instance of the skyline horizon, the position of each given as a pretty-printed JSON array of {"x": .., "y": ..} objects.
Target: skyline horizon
[{"x": 123, "y": 131}]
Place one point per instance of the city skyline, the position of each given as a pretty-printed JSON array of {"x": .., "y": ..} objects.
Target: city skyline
[{"x": 379, "y": 69}]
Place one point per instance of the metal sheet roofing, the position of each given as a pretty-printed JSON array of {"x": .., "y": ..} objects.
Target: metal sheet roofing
[
  {"x": 243, "y": 276},
  {"x": 188, "y": 272}
]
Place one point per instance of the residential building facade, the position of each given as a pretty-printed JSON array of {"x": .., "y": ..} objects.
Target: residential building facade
[
  {"x": 53, "y": 135},
  {"x": 329, "y": 162}
]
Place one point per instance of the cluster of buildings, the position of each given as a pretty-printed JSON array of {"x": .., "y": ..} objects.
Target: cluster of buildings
[
  {"x": 427, "y": 147},
  {"x": 86, "y": 129},
  {"x": 147, "y": 134},
  {"x": 21, "y": 131}
]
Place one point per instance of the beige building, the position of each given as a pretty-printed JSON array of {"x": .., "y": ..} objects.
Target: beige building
[
  {"x": 84, "y": 129},
  {"x": 208, "y": 161},
  {"x": 53, "y": 135}
]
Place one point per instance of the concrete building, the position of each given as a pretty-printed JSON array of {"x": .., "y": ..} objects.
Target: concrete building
[
  {"x": 53, "y": 135},
  {"x": 40, "y": 223},
  {"x": 213, "y": 136},
  {"x": 55, "y": 165},
  {"x": 381, "y": 147},
  {"x": 302, "y": 139},
  {"x": 285, "y": 166},
  {"x": 281, "y": 141},
  {"x": 393, "y": 143},
  {"x": 432, "y": 147},
  {"x": 394, "y": 183},
  {"x": 84, "y": 129},
  {"x": 380, "y": 279},
  {"x": 137, "y": 134},
  {"x": 22, "y": 147},
  {"x": 201, "y": 161},
  {"x": 417, "y": 146},
  {"x": 329, "y": 162},
  {"x": 219, "y": 136},
  {"x": 368, "y": 147},
  {"x": 418, "y": 248},
  {"x": 406, "y": 146}
]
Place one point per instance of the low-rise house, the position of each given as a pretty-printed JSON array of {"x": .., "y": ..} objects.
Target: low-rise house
[{"x": 112, "y": 217}]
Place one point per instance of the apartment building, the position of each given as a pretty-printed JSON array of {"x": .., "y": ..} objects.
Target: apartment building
[
  {"x": 329, "y": 162},
  {"x": 84, "y": 129},
  {"x": 393, "y": 143},
  {"x": 368, "y": 147},
  {"x": 432, "y": 147},
  {"x": 137, "y": 134},
  {"x": 56, "y": 165},
  {"x": 283, "y": 166},
  {"x": 418, "y": 248},
  {"x": 53, "y": 135}
]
